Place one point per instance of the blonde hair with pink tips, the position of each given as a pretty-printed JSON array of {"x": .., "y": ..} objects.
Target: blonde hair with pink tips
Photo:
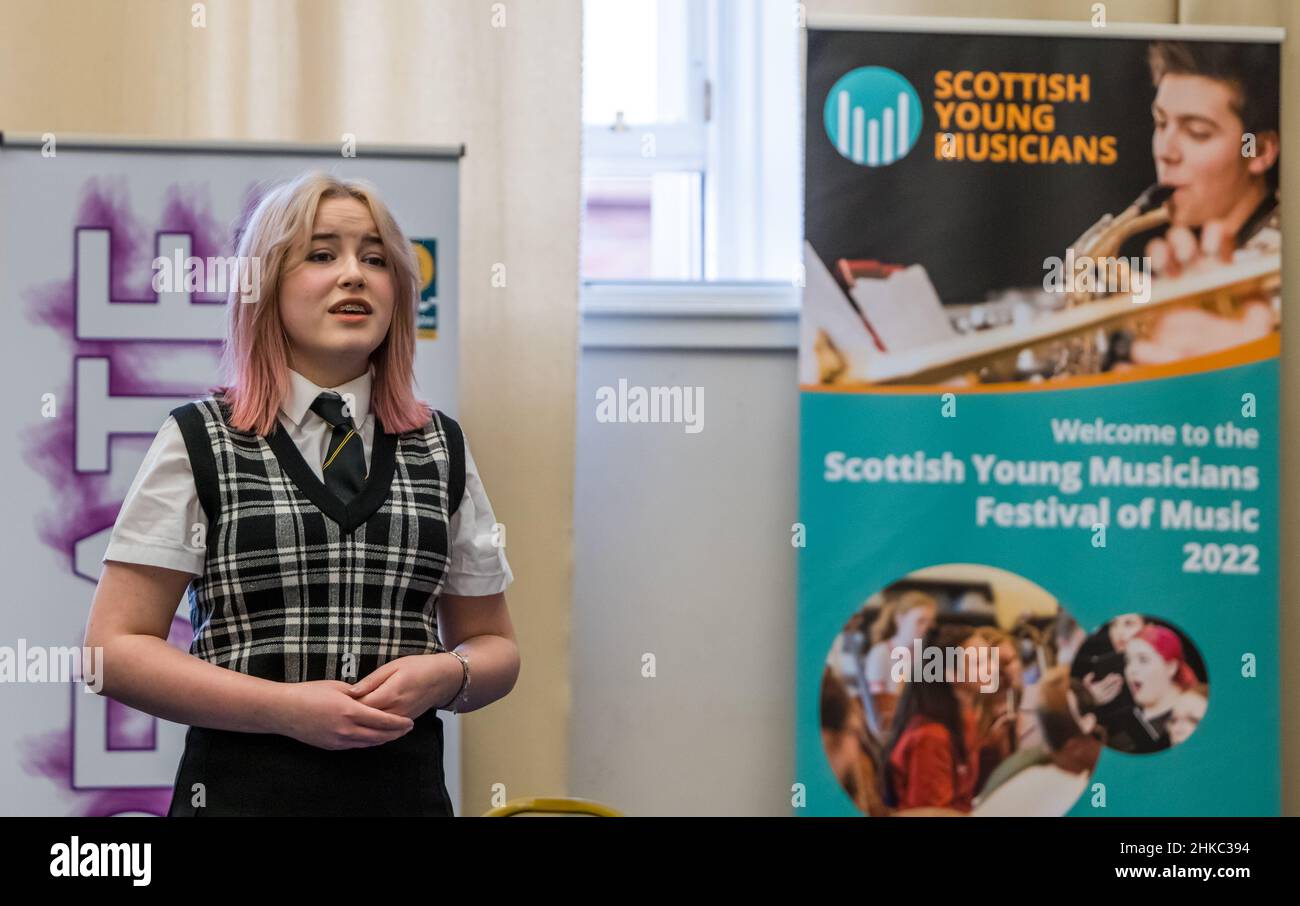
[{"x": 255, "y": 357}]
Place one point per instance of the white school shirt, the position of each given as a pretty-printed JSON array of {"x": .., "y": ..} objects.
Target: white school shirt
[{"x": 157, "y": 518}]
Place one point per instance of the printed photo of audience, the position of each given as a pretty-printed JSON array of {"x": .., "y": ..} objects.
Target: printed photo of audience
[{"x": 953, "y": 745}]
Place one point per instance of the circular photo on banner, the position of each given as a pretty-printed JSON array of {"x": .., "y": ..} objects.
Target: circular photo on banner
[
  {"x": 949, "y": 692},
  {"x": 1148, "y": 680}
]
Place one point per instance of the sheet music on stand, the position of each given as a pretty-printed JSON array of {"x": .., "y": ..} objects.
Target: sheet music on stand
[{"x": 904, "y": 309}]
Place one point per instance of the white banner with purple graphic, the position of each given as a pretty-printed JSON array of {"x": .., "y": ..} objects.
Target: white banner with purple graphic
[{"x": 94, "y": 359}]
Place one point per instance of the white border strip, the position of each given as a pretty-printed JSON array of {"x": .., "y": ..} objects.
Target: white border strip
[
  {"x": 1047, "y": 28},
  {"x": 689, "y": 316},
  {"x": 72, "y": 141},
  {"x": 673, "y": 299}
]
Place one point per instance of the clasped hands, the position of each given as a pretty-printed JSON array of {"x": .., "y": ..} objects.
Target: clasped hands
[{"x": 379, "y": 708}]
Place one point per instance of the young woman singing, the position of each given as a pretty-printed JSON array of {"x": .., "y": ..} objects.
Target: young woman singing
[{"x": 345, "y": 580}]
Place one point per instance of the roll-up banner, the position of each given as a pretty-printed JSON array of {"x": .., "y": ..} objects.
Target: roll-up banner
[
  {"x": 98, "y": 349},
  {"x": 1038, "y": 527}
]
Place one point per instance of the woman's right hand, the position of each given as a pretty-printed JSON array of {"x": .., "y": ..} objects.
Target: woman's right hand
[
  {"x": 321, "y": 713},
  {"x": 1106, "y": 690}
]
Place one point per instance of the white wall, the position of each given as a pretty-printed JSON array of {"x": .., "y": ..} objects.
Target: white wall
[{"x": 682, "y": 550}]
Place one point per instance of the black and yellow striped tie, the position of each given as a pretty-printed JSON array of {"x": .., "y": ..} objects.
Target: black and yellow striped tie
[{"x": 344, "y": 468}]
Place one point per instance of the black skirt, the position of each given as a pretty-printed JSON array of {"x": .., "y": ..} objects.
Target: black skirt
[{"x": 264, "y": 774}]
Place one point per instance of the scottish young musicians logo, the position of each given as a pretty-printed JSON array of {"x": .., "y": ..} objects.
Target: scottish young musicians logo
[{"x": 873, "y": 116}]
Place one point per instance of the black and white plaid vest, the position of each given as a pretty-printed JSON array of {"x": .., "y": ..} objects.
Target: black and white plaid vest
[{"x": 299, "y": 586}]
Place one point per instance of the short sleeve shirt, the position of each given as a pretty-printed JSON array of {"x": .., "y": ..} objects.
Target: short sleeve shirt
[{"x": 161, "y": 516}]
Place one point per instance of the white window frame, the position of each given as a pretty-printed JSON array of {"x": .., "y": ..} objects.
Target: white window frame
[
  {"x": 743, "y": 133},
  {"x": 645, "y": 149},
  {"x": 754, "y": 185}
]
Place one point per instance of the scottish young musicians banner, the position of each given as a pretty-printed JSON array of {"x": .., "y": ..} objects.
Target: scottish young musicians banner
[{"x": 1039, "y": 460}]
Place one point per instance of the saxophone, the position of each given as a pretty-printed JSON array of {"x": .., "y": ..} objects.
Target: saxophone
[{"x": 1090, "y": 352}]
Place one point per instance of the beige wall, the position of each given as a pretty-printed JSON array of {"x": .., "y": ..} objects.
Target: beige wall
[{"x": 416, "y": 71}]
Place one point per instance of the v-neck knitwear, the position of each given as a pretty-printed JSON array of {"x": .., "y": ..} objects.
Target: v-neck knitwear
[
  {"x": 161, "y": 515},
  {"x": 298, "y": 586}
]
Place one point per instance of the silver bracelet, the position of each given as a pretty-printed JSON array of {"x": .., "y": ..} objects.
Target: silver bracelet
[{"x": 462, "y": 696}]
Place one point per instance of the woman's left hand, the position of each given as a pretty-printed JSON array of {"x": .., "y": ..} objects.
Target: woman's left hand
[{"x": 411, "y": 685}]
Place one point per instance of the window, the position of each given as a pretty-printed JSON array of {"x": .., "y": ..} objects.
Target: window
[{"x": 691, "y": 140}]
